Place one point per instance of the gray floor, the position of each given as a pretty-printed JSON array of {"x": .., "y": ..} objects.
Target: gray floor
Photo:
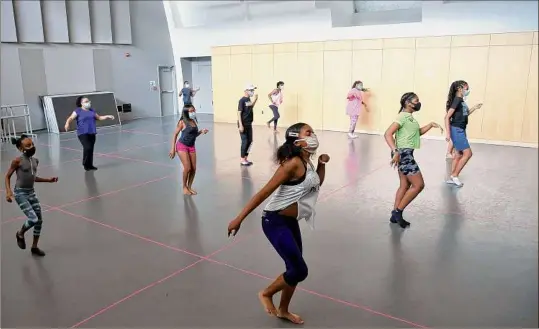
[{"x": 154, "y": 258}]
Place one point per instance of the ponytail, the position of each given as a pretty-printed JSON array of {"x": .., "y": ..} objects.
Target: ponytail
[{"x": 289, "y": 149}]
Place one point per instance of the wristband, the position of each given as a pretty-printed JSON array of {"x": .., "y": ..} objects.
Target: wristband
[{"x": 321, "y": 162}]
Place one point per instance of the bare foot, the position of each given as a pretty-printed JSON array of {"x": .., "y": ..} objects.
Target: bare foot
[
  {"x": 193, "y": 192},
  {"x": 294, "y": 318},
  {"x": 267, "y": 303},
  {"x": 186, "y": 191}
]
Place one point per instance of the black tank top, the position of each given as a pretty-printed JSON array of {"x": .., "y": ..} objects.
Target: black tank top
[{"x": 189, "y": 134}]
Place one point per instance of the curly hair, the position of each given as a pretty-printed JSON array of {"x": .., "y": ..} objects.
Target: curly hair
[{"x": 453, "y": 91}]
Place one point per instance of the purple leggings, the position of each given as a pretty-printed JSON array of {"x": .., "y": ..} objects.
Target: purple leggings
[{"x": 284, "y": 234}]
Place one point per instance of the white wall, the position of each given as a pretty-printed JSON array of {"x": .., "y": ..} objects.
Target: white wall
[
  {"x": 32, "y": 70},
  {"x": 438, "y": 19}
]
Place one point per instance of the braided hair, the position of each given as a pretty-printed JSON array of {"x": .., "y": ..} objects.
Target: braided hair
[
  {"x": 289, "y": 149},
  {"x": 406, "y": 97},
  {"x": 453, "y": 92}
]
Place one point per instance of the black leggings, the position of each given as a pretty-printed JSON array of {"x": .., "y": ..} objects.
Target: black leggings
[
  {"x": 88, "y": 142},
  {"x": 276, "y": 116},
  {"x": 246, "y": 140}
]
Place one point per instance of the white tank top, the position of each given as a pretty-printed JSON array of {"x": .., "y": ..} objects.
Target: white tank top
[{"x": 304, "y": 192}]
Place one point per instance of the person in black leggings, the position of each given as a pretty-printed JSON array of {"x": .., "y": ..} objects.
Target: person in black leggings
[
  {"x": 245, "y": 122},
  {"x": 276, "y": 99}
]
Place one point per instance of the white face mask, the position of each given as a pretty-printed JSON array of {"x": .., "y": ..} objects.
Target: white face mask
[
  {"x": 250, "y": 93},
  {"x": 86, "y": 105},
  {"x": 281, "y": 87},
  {"x": 359, "y": 86},
  {"x": 312, "y": 143},
  {"x": 192, "y": 115},
  {"x": 186, "y": 85}
]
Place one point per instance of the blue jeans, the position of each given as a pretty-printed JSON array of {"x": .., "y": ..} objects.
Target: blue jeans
[{"x": 284, "y": 234}]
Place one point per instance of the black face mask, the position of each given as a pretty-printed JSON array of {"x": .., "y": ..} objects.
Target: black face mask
[
  {"x": 417, "y": 106},
  {"x": 30, "y": 152}
]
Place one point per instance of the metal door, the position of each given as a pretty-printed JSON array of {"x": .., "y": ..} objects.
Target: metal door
[
  {"x": 168, "y": 98},
  {"x": 202, "y": 79}
]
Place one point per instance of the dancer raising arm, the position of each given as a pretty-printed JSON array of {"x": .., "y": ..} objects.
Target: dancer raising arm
[
  {"x": 25, "y": 167},
  {"x": 297, "y": 184},
  {"x": 185, "y": 146},
  {"x": 407, "y": 138}
]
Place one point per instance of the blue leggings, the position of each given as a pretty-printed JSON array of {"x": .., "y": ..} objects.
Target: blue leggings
[
  {"x": 29, "y": 204},
  {"x": 284, "y": 234}
]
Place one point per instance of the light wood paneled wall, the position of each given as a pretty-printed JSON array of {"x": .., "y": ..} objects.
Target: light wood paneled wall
[{"x": 501, "y": 70}]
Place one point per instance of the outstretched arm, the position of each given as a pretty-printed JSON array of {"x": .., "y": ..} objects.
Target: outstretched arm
[{"x": 104, "y": 117}]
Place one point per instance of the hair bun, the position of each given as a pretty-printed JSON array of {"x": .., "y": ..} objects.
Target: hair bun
[{"x": 14, "y": 140}]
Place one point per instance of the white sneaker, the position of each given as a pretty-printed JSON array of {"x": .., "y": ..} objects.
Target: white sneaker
[
  {"x": 350, "y": 135},
  {"x": 456, "y": 181}
]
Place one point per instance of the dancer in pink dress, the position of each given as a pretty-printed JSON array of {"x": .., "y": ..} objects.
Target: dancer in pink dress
[{"x": 354, "y": 106}]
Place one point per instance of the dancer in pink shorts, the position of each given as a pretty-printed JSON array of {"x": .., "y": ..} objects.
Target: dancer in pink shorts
[{"x": 185, "y": 146}]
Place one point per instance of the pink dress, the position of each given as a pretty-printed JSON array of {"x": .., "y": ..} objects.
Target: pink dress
[{"x": 355, "y": 102}]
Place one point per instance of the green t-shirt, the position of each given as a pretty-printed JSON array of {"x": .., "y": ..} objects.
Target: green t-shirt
[{"x": 408, "y": 135}]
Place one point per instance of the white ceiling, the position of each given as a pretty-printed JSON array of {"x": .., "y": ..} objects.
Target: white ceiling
[{"x": 348, "y": 12}]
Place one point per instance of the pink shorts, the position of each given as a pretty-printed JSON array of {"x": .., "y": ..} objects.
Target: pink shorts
[{"x": 182, "y": 148}]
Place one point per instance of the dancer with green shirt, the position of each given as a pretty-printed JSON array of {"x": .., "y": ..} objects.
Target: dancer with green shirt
[{"x": 407, "y": 138}]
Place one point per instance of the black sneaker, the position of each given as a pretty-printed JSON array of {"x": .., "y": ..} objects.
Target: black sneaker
[
  {"x": 403, "y": 223},
  {"x": 20, "y": 241},
  {"x": 37, "y": 252}
]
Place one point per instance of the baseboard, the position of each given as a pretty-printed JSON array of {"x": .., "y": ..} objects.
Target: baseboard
[{"x": 471, "y": 140}]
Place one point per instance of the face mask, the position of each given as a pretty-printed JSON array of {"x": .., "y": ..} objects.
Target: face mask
[
  {"x": 186, "y": 85},
  {"x": 312, "y": 143},
  {"x": 250, "y": 93},
  {"x": 30, "y": 152},
  {"x": 86, "y": 105},
  {"x": 466, "y": 92},
  {"x": 192, "y": 115},
  {"x": 417, "y": 106},
  {"x": 281, "y": 87},
  {"x": 359, "y": 87}
]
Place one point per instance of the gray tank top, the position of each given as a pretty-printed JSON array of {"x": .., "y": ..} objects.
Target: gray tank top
[{"x": 26, "y": 172}]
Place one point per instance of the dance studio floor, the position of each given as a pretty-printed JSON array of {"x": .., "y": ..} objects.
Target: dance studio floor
[{"x": 125, "y": 248}]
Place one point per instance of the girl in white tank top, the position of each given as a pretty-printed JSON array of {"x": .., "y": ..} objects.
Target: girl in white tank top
[{"x": 296, "y": 184}]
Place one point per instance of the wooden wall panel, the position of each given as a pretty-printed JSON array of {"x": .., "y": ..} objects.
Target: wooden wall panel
[
  {"x": 430, "y": 78},
  {"x": 285, "y": 68},
  {"x": 310, "y": 88},
  {"x": 223, "y": 105},
  {"x": 397, "y": 79},
  {"x": 501, "y": 70},
  {"x": 470, "y": 64},
  {"x": 337, "y": 83},
  {"x": 531, "y": 109},
  {"x": 507, "y": 79},
  {"x": 367, "y": 67},
  {"x": 262, "y": 73}
]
